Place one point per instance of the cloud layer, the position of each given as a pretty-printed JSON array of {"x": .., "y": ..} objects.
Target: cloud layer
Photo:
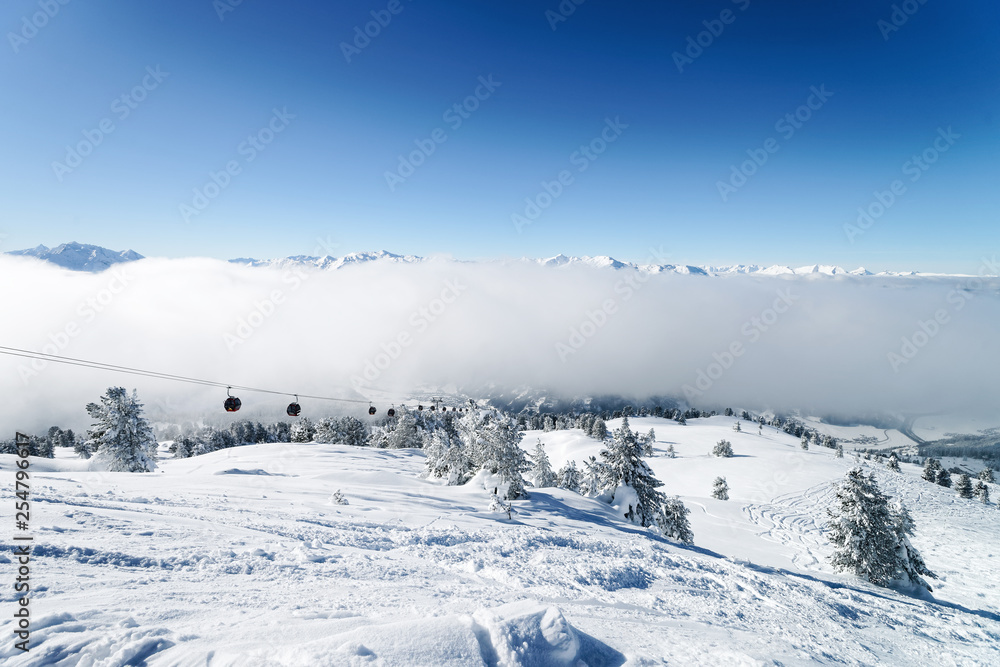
[{"x": 825, "y": 345}]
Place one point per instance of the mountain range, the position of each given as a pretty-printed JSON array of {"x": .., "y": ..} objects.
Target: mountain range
[{"x": 84, "y": 257}]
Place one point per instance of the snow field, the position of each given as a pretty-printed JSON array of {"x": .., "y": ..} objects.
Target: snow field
[{"x": 239, "y": 558}]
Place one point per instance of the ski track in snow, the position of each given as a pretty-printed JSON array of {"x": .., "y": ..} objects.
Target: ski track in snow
[{"x": 194, "y": 568}]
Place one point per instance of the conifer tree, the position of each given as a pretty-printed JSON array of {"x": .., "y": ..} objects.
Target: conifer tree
[
  {"x": 405, "y": 435},
  {"x": 931, "y": 468},
  {"x": 647, "y": 443},
  {"x": 569, "y": 477},
  {"x": 501, "y": 454},
  {"x": 805, "y": 441},
  {"x": 671, "y": 454},
  {"x": 600, "y": 429},
  {"x": 723, "y": 449},
  {"x": 541, "y": 471},
  {"x": 840, "y": 451},
  {"x": 986, "y": 475},
  {"x": 672, "y": 521},
  {"x": 720, "y": 489},
  {"x": 870, "y": 538},
  {"x": 892, "y": 463},
  {"x": 964, "y": 486},
  {"x": 982, "y": 492},
  {"x": 944, "y": 478},
  {"x": 592, "y": 481},
  {"x": 121, "y": 436}
]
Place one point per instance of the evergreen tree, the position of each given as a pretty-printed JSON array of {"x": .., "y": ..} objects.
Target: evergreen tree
[
  {"x": 986, "y": 474},
  {"x": 541, "y": 471},
  {"x": 647, "y": 443},
  {"x": 405, "y": 435},
  {"x": 338, "y": 498},
  {"x": 671, "y": 454},
  {"x": 723, "y": 449},
  {"x": 737, "y": 427},
  {"x": 964, "y": 486},
  {"x": 120, "y": 435},
  {"x": 870, "y": 538},
  {"x": 804, "y": 442},
  {"x": 892, "y": 463},
  {"x": 182, "y": 447},
  {"x": 944, "y": 478},
  {"x": 910, "y": 564},
  {"x": 501, "y": 454},
  {"x": 592, "y": 481},
  {"x": 302, "y": 431},
  {"x": 600, "y": 429},
  {"x": 625, "y": 468},
  {"x": 82, "y": 448},
  {"x": 672, "y": 521},
  {"x": 931, "y": 468},
  {"x": 982, "y": 492},
  {"x": 569, "y": 477},
  {"x": 840, "y": 451},
  {"x": 720, "y": 489}
]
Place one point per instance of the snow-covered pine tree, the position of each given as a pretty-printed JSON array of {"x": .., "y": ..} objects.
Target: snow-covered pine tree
[
  {"x": 672, "y": 521},
  {"x": 405, "y": 435},
  {"x": 892, "y": 463},
  {"x": 840, "y": 451},
  {"x": 82, "y": 448},
  {"x": 592, "y": 480},
  {"x": 723, "y": 449},
  {"x": 871, "y": 539},
  {"x": 121, "y": 436},
  {"x": 569, "y": 477},
  {"x": 909, "y": 563},
  {"x": 302, "y": 431},
  {"x": 737, "y": 427},
  {"x": 182, "y": 448},
  {"x": 542, "y": 474},
  {"x": 647, "y": 443},
  {"x": 500, "y": 506},
  {"x": 625, "y": 468},
  {"x": 944, "y": 478},
  {"x": 804, "y": 443},
  {"x": 720, "y": 489},
  {"x": 982, "y": 492},
  {"x": 986, "y": 475},
  {"x": 436, "y": 446},
  {"x": 502, "y": 455},
  {"x": 599, "y": 430},
  {"x": 862, "y": 530},
  {"x": 338, "y": 498},
  {"x": 459, "y": 466},
  {"x": 964, "y": 486},
  {"x": 931, "y": 468},
  {"x": 671, "y": 454}
]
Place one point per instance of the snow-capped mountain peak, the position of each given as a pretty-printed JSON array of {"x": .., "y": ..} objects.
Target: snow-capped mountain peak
[{"x": 79, "y": 256}]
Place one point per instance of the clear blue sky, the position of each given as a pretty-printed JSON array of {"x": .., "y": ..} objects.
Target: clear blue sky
[{"x": 323, "y": 177}]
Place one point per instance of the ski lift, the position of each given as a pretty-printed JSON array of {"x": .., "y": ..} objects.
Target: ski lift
[
  {"x": 420, "y": 407},
  {"x": 232, "y": 403},
  {"x": 392, "y": 411},
  {"x": 294, "y": 409},
  {"x": 371, "y": 409}
]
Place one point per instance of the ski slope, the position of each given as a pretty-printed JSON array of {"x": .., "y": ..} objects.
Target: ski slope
[{"x": 239, "y": 558}]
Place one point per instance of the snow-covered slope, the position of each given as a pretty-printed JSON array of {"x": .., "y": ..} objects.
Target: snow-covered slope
[
  {"x": 239, "y": 558},
  {"x": 80, "y": 256}
]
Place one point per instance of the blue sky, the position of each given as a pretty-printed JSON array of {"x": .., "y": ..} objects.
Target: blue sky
[{"x": 330, "y": 122}]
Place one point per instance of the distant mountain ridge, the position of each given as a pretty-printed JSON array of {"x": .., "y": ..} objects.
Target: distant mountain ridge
[
  {"x": 80, "y": 256},
  {"x": 83, "y": 257}
]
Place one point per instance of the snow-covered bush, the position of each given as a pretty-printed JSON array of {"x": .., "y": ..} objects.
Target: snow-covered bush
[{"x": 723, "y": 449}]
